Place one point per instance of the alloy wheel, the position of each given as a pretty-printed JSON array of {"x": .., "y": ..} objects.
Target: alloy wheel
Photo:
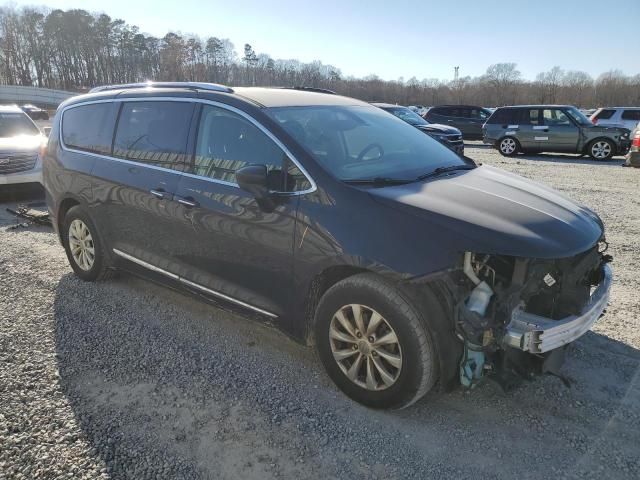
[
  {"x": 601, "y": 149},
  {"x": 81, "y": 245},
  {"x": 365, "y": 347},
  {"x": 508, "y": 146}
]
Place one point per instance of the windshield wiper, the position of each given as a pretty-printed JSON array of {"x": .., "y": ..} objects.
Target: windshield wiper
[
  {"x": 377, "y": 181},
  {"x": 441, "y": 170}
]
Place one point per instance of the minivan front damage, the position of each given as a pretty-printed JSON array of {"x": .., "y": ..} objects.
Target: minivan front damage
[{"x": 516, "y": 315}]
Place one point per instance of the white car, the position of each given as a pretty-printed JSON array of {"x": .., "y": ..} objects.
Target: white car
[
  {"x": 627, "y": 117},
  {"x": 20, "y": 142}
]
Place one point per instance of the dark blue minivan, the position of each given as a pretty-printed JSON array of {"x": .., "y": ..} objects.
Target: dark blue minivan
[{"x": 405, "y": 264}]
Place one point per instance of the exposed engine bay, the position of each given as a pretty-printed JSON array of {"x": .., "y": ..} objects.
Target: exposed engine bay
[{"x": 515, "y": 315}]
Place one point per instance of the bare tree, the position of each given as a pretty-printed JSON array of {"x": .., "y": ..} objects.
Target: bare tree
[
  {"x": 503, "y": 77},
  {"x": 76, "y": 50}
]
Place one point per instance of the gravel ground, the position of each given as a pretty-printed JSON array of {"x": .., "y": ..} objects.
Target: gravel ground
[{"x": 126, "y": 379}]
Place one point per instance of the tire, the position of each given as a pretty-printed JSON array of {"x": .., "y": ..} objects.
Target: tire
[
  {"x": 508, "y": 146},
  {"x": 601, "y": 149},
  {"x": 90, "y": 266},
  {"x": 409, "y": 367}
]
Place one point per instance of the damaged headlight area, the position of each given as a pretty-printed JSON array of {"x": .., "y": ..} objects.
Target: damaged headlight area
[{"x": 515, "y": 314}]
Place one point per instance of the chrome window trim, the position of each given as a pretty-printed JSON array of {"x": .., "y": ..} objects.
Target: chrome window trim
[
  {"x": 243, "y": 114},
  {"x": 189, "y": 283}
]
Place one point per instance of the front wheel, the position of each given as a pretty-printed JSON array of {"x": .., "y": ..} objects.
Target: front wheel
[
  {"x": 508, "y": 146},
  {"x": 601, "y": 149},
  {"x": 373, "y": 343}
]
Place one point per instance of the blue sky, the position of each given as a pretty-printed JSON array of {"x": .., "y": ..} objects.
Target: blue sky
[{"x": 403, "y": 38}]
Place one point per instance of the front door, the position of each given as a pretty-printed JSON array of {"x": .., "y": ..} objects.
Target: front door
[
  {"x": 559, "y": 132},
  {"x": 235, "y": 248}
]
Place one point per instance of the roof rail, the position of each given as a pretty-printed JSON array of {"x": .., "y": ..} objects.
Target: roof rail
[
  {"x": 214, "y": 87},
  {"x": 311, "y": 89}
]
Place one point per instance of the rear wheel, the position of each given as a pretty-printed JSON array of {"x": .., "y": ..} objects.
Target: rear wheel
[
  {"x": 508, "y": 146},
  {"x": 601, "y": 149},
  {"x": 84, "y": 247},
  {"x": 373, "y": 343}
]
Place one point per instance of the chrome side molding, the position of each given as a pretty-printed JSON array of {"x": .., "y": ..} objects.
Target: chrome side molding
[{"x": 191, "y": 284}]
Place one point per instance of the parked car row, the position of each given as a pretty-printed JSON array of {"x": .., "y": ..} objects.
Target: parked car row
[{"x": 406, "y": 264}]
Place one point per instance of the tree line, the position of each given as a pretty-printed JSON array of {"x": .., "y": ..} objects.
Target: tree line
[{"x": 76, "y": 50}]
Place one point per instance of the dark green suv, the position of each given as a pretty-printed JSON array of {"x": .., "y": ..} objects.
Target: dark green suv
[{"x": 552, "y": 128}]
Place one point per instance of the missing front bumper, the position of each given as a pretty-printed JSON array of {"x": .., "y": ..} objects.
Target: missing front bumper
[{"x": 536, "y": 334}]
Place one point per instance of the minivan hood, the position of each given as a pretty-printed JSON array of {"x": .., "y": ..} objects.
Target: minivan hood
[{"x": 488, "y": 210}]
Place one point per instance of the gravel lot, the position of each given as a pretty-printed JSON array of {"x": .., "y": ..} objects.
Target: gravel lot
[{"x": 126, "y": 379}]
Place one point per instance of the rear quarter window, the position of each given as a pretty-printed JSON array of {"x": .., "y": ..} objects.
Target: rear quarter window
[{"x": 89, "y": 127}]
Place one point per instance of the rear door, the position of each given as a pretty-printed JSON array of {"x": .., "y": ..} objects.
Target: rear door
[
  {"x": 558, "y": 132},
  {"x": 233, "y": 247},
  {"x": 134, "y": 186},
  {"x": 531, "y": 134}
]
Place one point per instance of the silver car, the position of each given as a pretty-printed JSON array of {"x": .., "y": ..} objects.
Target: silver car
[{"x": 627, "y": 117}]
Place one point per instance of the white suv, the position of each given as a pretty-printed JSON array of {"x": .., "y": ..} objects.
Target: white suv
[
  {"x": 627, "y": 117},
  {"x": 20, "y": 142}
]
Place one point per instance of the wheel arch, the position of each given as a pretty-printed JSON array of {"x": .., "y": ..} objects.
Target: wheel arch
[
  {"x": 65, "y": 205},
  {"x": 322, "y": 282}
]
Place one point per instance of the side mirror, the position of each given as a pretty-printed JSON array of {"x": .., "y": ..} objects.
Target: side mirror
[{"x": 253, "y": 179}]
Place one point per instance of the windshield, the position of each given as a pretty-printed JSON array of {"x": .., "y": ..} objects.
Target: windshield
[
  {"x": 578, "y": 116},
  {"x": 363, "y": 142},
  {"x": 14, "y": 124},
  {"x": 407, "y": 115}
]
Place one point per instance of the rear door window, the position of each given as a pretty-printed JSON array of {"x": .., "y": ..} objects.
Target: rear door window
[
  {"x": 477, "y": 113},
  {"x": 631, "y": 115},
  {"x": 90, "y": 127},
  {"x": 604, "y": 114},
  {"x": 154, "y": 133},
  {"x": 530, "y": 116}
]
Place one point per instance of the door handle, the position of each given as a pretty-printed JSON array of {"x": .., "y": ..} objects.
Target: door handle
[
  {"x": 158, "y": 193},
  {"x": 188, "y": 202}
]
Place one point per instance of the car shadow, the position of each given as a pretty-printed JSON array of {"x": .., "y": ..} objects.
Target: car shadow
[{"x": 154, "y": 376}]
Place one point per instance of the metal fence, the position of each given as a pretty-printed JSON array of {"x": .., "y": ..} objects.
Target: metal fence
[{"x": 39, "y": 96}]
